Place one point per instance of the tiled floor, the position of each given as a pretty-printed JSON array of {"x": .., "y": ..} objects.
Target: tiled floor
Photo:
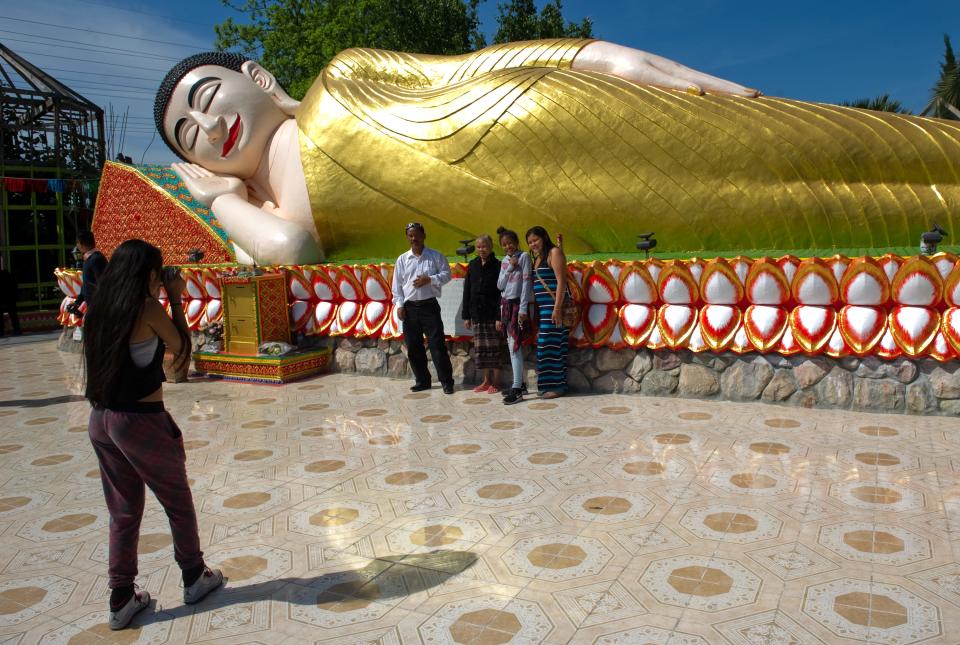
[{"x": 348, "y": 510}]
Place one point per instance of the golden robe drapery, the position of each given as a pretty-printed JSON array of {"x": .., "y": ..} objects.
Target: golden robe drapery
[{"x": 511, "y": 135}]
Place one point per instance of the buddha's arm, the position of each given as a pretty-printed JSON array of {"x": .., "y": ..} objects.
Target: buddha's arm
[
  {"x": 422, "y": 70},
  {"x": 425, "y": 70},
  {"x": 269, "y": 239},
  {"x": 644, "y": 67},
  {"x": 264, "y": 235}
]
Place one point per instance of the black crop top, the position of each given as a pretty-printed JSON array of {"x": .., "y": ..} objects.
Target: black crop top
[{"x": 134, "y": 383}]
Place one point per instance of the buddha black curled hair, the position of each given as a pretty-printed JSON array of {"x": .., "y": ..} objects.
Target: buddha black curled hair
[{"x": 229, "y": 60}]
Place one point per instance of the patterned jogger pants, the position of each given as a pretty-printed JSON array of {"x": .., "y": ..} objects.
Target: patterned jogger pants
[{"x": 136, "y": 449}]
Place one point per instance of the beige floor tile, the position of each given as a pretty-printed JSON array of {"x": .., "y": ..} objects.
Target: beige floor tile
[{"x": 346, "y": 510}]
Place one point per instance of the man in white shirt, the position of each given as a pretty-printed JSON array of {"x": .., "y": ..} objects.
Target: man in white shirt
[{"x": 418, "y": 278}]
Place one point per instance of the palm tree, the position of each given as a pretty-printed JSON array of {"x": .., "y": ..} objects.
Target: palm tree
[
  {"x": 945, "y": 95},
  {"x": 880, "y": 103}
]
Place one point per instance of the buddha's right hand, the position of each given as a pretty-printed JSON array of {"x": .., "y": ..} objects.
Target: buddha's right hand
[{"x": 206, "y": 186}]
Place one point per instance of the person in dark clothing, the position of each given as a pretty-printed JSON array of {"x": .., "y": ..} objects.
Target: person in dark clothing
[
  {"x": 481, "y": 311},
  {"x": 94, "y": 264},
  {"x": 8, "y": 302}
]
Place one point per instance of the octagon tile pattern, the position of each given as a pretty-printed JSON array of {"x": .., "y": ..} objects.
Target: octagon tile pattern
[
  {"x": 703, "y": 583},
  {"x": 547, "y": 459},
  {"x": 487, "y": 619},
  {"x": 333, "y": 517},
  {"x": 428, "y": 534},
  {"x": 25, "y": 598},
  {"x": 502, "y": 491},
  {"x": 607, "y": 506},
  {"x": 878, "y": 495},
  {"x": 347, "y": 510},
  {"x": 652, "y": 636},
  {"x": 879, "y": 543},
  {"x": 879, "y": 613},
  {"x": 646, "y": 468},
  {"x": 557, "y": 557},
  {"x": 726, "y": 523},
  {"x": 748, "y": 481}
]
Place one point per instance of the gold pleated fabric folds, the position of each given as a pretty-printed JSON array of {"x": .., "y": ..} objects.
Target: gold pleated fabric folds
[{"x": 511, "y": 135}]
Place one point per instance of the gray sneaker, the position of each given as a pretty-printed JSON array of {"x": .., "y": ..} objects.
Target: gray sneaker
[
  {"x": 120, "y": 619},
  {"x": 209, "y": 580}
]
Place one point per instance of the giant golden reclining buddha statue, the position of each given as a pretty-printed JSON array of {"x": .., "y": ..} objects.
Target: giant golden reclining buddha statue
[{"x": 590, "y": 139}]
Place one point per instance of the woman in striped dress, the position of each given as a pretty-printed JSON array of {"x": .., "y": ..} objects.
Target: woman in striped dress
[{"x": 549, "y": 290}]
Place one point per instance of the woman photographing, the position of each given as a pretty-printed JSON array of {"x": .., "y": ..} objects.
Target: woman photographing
[{"x": 137, "y": 442}]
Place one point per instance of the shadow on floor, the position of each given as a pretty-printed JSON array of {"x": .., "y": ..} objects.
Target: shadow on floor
[
  {"x": 42, "y": 403},
  {"x": 382, "y": 579}
]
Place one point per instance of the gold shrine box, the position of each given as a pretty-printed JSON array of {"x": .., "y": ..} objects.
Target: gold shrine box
[{"x": 254, "y": 312}]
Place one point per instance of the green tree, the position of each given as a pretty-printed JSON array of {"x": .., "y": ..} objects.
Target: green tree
[
  {"x": 880, "y": 103},
  {"x": 519, "y": 20},
  {"x": 945, "y": 95},
  {"x": 295, "y": 39}
]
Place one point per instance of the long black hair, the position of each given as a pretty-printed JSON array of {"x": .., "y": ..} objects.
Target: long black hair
[
  {"x": 541, "y": 232},
  {"x": 117, "y": 304}
]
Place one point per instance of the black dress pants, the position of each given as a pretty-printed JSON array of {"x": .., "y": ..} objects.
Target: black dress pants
[
  {"x": 421, "y": 319},
  {"x": 11, "y": 309}
]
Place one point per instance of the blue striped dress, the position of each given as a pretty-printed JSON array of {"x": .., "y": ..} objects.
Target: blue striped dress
[{"x": 552, "y": 341}]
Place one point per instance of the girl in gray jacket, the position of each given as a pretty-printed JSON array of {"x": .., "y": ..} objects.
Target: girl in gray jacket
[{"x": 516, "y": 284}]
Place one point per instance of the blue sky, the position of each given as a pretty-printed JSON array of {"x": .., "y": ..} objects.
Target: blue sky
[{"x": 815, "y": 50}]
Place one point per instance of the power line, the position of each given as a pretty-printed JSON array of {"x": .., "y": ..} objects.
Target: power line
[
  {"x": 124, "y": 100},
  {"x": 92, "y": 91},
  {"x": 95, "y": 48},
  {"x": 78, "y": 71},
  {"x": 87, "y": 60},
  {"x": 179, "y": 21},
  {"x": 146, "y": 120},
  {"x": 102, "y": 33},
  {"x": 119, "y": 86},
  {"x": 120, "y": 97}
]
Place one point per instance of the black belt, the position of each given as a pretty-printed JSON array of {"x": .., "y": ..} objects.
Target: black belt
[
  {"x": 418, "y": 303},
  {"x": 137, "y": 407}
]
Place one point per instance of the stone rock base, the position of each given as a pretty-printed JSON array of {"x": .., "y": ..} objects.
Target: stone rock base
[{"x": 921, "y": 386}]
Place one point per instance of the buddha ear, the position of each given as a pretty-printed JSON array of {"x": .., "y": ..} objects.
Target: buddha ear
[{"x": 268, "y": 83}]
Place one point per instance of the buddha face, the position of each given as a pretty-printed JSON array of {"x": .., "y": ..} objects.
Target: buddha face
[{"x": 223, "y": 120}]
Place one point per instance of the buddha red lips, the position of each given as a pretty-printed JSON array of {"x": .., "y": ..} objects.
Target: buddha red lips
[{"x": 232, "y": 137}]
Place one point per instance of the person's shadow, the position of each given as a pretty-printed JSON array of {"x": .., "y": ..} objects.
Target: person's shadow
[
  {"x": 41, "y": 403},
  {"x": 382, "y": 579}
]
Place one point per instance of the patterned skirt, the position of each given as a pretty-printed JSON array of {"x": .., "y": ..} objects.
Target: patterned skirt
[
  {"x": 488, "y": 343},
  {"x": 552, "y": 341}
]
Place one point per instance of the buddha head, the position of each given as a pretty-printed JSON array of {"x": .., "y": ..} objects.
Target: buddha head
[{"x": 219, "y": 110}]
